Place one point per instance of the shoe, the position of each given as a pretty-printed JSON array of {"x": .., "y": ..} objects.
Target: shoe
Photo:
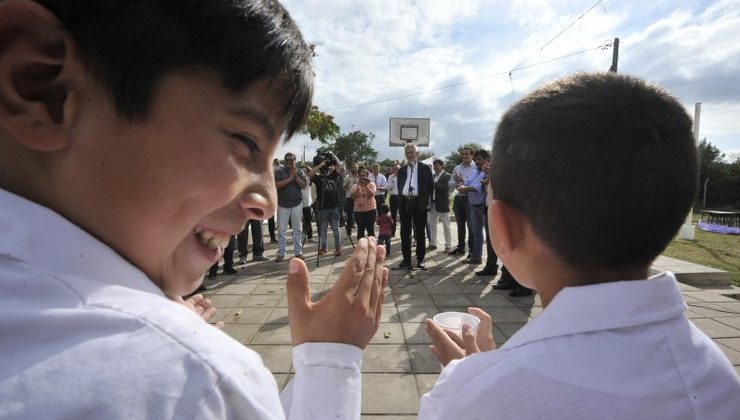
[
  {"x": 260, "y": 258},
  {"x": 504, "y": 286},
  {"x": 229, "y": 270},
  {"x": 431, "y": 247},
  {"x": 458, "y": 251},
  {"x": 201, "y": 288},
  {"x": 242, "y": 260},
  {"x": 473, "y": 260},
  {"x": 447, "y": 250},
  {"x": 338, "y": 252},
  {"x": 312, "y": 240},
  {"x": 322, "y": 251},
  {"x": 212, "y": 274},
  {"x": 273, "y": 240},
  {"x": 300, "y": 257},
  {"x": 404, "y": 264},
  {"x": 279, "y": 258},
  {"x": 488, "y": 271},
  {"x": 521, "y": 291},
  {"x": 420, "y": 265}
]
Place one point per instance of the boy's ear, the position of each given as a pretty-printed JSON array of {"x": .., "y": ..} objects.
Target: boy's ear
[
  {"x": 34, "y": 84},
  {"x": 508, "y": 226}
]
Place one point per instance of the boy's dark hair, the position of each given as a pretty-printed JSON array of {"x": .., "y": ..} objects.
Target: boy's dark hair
[
  {"x": 383, "y": 209},
  {"x": 603, "y": 166},
  {"x": 481, "y": 152},
  {"x": 129, "y": 45},
  {"x": 438, "y": 162}
]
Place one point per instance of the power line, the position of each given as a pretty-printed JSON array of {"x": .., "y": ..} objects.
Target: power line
[
  {"x": 604, "y": 46},
  {"x": 571, "y": 24}
]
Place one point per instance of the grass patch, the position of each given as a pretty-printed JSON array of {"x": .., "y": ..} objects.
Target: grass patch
[{"x": 710, "y": 249}]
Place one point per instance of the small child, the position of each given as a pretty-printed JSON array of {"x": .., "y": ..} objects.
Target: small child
[{"x": 385, "y": 225}]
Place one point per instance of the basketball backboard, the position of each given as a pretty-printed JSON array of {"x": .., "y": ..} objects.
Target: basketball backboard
[{"x": 409, "y": 130}]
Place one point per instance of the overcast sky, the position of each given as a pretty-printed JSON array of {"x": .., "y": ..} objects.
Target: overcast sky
[{"x": 370, "y": 50}]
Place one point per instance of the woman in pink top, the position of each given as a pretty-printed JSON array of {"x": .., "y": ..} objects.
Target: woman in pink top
[{"x": 364, "y": 195}]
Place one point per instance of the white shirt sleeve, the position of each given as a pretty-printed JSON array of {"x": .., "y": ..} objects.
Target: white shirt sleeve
[{"x": 327, "y": 382}]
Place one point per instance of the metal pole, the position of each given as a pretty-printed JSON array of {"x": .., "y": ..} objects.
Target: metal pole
[
  {"x": 615, "y": 56},
  {"x": 688, "y": 229},
  {"x": 704, "y": 202}
]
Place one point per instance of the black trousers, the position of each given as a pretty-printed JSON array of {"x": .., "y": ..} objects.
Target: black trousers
[
  {"x": 349, "y": 206},
  {"x": 394, "y": 212},
  {"x": 491, "y": 257},
  {"x": 271, "y": 228},
  {"x": 258, "y": 245},
  {"x": 461, "y": 208},
  {"x": 228, "y": 257},
  {"x": 413, "y": 219},
  {"x": 307, "y": 229},
  {"x": 365, "y": 223}
]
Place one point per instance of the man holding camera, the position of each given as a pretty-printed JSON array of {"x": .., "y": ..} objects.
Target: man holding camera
[
  {"x": 290, "y": 182},
  {"x": 327, "y": 178}
]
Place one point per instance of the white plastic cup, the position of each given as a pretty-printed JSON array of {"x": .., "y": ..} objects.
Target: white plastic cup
[{"x": 454, "y": 321}]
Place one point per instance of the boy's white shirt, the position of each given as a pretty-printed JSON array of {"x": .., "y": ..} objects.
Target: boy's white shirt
[
  {"x": 83, "y": 334},
  {"x": 622, "y": 350}
]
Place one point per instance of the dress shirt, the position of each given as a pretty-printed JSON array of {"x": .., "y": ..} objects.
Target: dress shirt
[
  {"x": 412, "y": 180},
  {"x": 85, "y": 334},
  {"x": 380, "y": 182},
  {"x": 393, "y": 184},
  {"x": 478, "y": 196},
  {"x": 464, "y": 171},
  {"x": 620, "y": 350}
]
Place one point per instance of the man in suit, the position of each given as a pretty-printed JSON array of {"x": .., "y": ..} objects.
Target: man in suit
[
  {"x": 415, "y": 184},
  {"x": 440, "y": 208}
]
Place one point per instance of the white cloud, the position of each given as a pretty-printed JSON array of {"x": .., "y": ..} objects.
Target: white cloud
[{"x": 379, "y": 49}]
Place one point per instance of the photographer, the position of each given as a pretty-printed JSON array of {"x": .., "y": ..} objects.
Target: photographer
[{"x": 328, "y": 181}]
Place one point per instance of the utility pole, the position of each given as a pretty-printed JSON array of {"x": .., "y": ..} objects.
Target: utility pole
[
  {"x": 615, "y": 56},
  {"x": 688, "y": 230}
]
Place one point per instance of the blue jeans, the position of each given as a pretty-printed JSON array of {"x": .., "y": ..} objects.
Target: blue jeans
[
  {"x": 326, "y": 217},
  {"x": 477, "y": 219}
]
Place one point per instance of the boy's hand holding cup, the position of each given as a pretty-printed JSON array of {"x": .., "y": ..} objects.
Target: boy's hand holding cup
[{"x": 454, "y": 336}]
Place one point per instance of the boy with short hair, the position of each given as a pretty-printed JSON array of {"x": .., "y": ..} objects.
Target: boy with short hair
[
  {"x": 135, "y": 139},
  {"x": 593, "y": 174}
]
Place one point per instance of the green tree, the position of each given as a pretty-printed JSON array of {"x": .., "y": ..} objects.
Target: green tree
[
  {"x": 356, "y": 146},
  {"x": 425, "y": 155},
  {"x": 454, "y": 158},
  {"x": 321, "y": 126}
]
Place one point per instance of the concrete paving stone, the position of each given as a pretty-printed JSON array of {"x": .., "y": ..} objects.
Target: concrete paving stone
[
  {"x": 732, "y": 354},
  {"x": 272, "y": 334},
  {"x": 413, "y": 289},
  {"x": 278, "y": 316},
  {"x": 220, "y": 315},
  {"x": 416, "y": 313},
  {"x": 386, "y": 358},
  {"x": 269, "y": 289},
  {"x": 506, "y": 314},
  {"x": 709, "y": 296},
  {"x": 422, "y": 359},
  {"x": 233, "y": 289},
  {"x": 532, "y": 311},
  {"x": 452, "y": 300},
  {"x": 734, "y": 322},
  {"x": 463, "y": 308},
  {"x": 412, "y": 299},
  {"x": 508, "y": 328},
  {"x": 426, "y": 382},
  {"x": 261, "y": 301},
  {"x": 395, "y": 334},
  {"x": 389, "y": 393},
  {"x": 383, "y": 417},
  {"x": 733, "y": 343},
  {"x": 242, "y": 315},
  {"x": 390, "y": 314},
  {"x": 440, "y": 288},
  {"x": 225, "y": 301},
  {"x": 532, "y": 300},
  {"x": 415, "y": 333},
  {"x": 733, "y": 307},
  {"x": 278, "y": 359},
  {"x": 490, "y": 300},
  {"x": 715, "y": 329},
  {"x": 242, "y": 333},
  {"x": 481, "y": 288},
  {"x": 282, "y": 380},
  {"x": 710, "y": 310}
]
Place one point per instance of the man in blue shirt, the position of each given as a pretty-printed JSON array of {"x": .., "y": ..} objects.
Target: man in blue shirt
[{"x": 476, "y": 200}]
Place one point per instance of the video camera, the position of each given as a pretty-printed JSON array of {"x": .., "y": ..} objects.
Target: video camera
[{"x": 324, "y": 157}]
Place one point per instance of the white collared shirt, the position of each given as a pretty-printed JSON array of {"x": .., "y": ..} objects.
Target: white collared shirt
[
  {"x": 85, "y": 334},
  {"x": 393, "y": 184},
  {"x": 412, "y": 180},
  {"x": 622, "y": 350},
  {"x": 379, "y": 181}
]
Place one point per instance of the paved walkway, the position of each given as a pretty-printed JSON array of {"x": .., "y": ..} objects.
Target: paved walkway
[{"x": 398, "y": 366}]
